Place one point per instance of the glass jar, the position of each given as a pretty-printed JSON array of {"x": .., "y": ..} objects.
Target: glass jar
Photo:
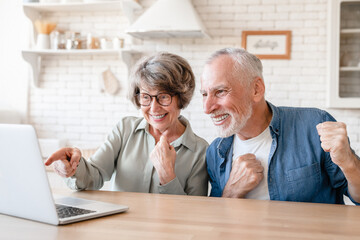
[
  {"x": 92, "y": 42},
  {"x": 57, "y": 40},
  {"x": 62, "y": 40},
  {"x": 73, "y": 40}
]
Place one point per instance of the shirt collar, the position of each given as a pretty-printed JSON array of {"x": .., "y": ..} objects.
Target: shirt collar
[
  {"x": 143, "y": 126},
  {"x": 187, "y": 138},
  {"x": 275, "y": 121},
  {"x": 224, "y": 146}
]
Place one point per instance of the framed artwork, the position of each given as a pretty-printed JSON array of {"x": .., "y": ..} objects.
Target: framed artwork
[{"x": 267, "y": 44}]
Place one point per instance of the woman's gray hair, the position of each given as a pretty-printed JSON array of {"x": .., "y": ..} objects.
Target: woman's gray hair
[
  {"x": 247, "y": 66},
  {"x": 165, "y": 72}
]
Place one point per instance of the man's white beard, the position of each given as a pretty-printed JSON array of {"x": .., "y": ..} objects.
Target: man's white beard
[{"x": 236, "y": 124}]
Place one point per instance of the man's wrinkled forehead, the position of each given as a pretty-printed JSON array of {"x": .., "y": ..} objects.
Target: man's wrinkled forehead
[
  {"x": 212, "y": 88},
  {"x": 219, "y": 70}
]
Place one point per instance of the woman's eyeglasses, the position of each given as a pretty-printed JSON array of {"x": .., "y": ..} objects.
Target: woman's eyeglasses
[{"x": 164, "y": 99}]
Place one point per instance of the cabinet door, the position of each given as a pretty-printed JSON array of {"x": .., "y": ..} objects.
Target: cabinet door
[{"x": 344, "y": 54}]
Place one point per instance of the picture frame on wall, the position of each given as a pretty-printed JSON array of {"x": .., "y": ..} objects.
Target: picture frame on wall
[{"x": 267, "y": 44}]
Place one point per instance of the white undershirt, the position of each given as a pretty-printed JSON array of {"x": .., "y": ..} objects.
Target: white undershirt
[{"x": 260, "y": 147}]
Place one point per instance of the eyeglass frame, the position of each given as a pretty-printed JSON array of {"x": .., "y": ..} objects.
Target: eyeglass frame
[{"x": 156, "y": 97}]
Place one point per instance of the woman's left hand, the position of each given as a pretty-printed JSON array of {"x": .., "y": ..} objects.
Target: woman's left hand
[{"x": 163, "y": 158}]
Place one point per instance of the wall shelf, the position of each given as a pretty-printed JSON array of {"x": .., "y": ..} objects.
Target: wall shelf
[
  {"x": 34, "y": 57},
  {"x": 350, "y": 31},
  {"x": 350, "y": 69},
  {"x": 34, "y": 10},
  {"x": 76, "y": 52}
]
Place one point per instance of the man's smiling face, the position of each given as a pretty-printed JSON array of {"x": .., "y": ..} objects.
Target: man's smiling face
[{"x": 225, "y": 98}]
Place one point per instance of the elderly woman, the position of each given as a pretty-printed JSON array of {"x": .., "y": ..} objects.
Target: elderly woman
[{"x": 156, "y": 153}]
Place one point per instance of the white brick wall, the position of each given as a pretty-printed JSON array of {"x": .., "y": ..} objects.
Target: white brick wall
[{"x": 69, "y": 104}]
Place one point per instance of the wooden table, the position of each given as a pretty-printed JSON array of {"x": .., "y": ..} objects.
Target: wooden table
[{"x": 155, "y": 216}]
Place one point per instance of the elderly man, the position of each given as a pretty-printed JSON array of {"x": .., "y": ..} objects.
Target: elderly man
[{"x": 269, "y": 152}]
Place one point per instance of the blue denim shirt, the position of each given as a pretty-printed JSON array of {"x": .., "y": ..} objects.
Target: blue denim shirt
[{"x": 299, "y": 169}]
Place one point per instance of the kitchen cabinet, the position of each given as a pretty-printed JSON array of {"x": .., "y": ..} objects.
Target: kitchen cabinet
[
  {"x": 34, "y": 11},
  {"x": 344, "y": 54}
]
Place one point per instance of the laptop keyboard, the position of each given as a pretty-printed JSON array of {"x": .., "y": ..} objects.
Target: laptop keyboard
[{"x": 64, "y": 211}]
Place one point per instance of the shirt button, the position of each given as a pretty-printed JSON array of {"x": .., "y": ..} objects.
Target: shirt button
[{"x": 270, "y": 179}]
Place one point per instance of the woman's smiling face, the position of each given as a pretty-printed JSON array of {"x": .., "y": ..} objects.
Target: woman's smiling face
[{"x": 161, "y": 118}]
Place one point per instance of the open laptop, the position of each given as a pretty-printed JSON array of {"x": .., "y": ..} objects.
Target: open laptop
[{"x": 24, "y": 187}]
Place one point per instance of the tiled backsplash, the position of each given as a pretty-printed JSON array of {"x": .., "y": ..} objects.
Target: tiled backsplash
[{"x": 69, "y": 104}]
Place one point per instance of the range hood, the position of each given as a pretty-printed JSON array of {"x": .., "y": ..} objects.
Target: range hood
[{"x": 169, "y": 19}]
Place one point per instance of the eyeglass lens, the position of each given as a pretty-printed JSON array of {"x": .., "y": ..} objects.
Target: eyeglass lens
[{"x": 163, "y": 99}]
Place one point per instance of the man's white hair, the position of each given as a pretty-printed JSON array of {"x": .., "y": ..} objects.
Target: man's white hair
[{"x": 247, "y": 66}]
